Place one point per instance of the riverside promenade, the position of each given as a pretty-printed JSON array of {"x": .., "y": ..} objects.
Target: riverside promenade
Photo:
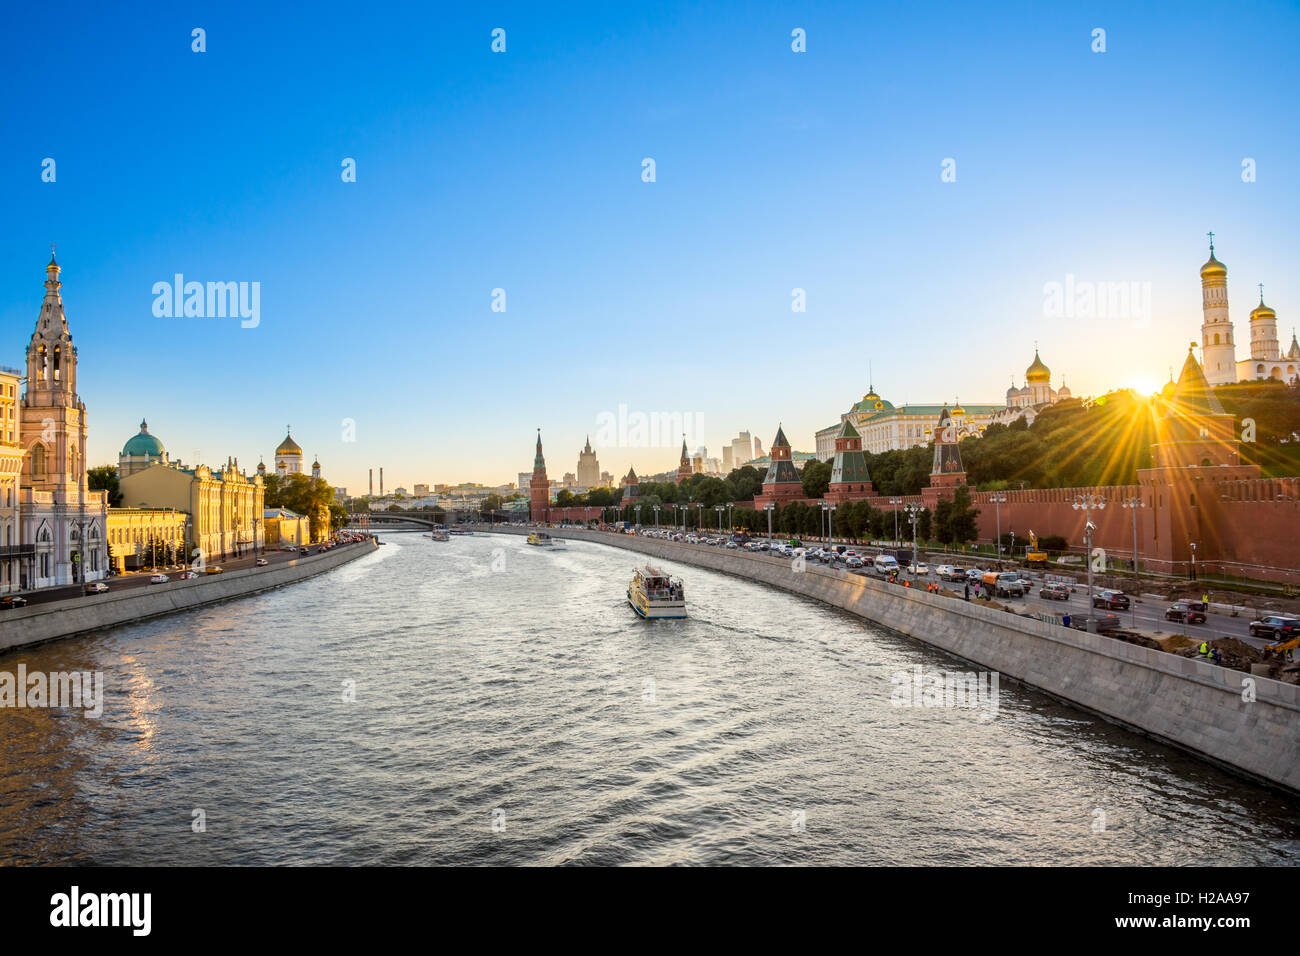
[
  {"x": 52, "y": 620},
  {"x": 1248, "y": 724}
]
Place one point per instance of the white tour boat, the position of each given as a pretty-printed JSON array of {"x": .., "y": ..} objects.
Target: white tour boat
[{"x": 655, "y": 596}]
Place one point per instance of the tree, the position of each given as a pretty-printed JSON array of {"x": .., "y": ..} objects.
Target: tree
[
  {"x": 338, "y": 517},
  {"x": 961, "y": 519},
  {"x": 816, "y": 478},
  {"x": 104, "y": 478}
]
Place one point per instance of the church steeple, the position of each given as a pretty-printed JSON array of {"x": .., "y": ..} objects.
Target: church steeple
[
  {"x": 51, "y": 356},
  {"x": 1217, "y": 346}
]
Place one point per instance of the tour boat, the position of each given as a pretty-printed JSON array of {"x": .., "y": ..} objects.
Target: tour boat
[
  {"x": 540, "y": 538},
  {"x": 655, "y": 596},
  {"x": 440, "y": 536}
]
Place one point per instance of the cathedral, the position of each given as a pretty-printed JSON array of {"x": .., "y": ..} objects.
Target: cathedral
[
  {"x": 64, "y": 520},
  {"x": 1218, "y": 348}
]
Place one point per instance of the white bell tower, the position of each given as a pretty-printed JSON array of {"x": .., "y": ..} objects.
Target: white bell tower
[{"x": 1218, "y": 351}]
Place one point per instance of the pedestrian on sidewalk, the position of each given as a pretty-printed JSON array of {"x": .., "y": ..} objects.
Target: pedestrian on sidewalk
[
  {"x": 967, "y": 590},
  {"x": 1066, "y": 619}
]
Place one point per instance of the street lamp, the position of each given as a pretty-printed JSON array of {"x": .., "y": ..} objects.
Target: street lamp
[
  {"x": 730, "y": 525},
  {"x": 1086, "y": 504},
  {"x": 656, "y": 511},
  {"x": 637, "y": 512},
  {"x": 719, "y": 509},
  {"x": 998, "y": 501},
  {"x": 1133, "y": 504},
  {"x": 769, "y": 508},
  {"x": 913, "y": 517},
  {"x": 830, "y": 524},
  {"x": 895, "y": 502},
  {"x": 1193, "y": 544}
]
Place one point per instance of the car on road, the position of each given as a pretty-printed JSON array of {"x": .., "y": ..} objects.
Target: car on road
[
  {"x": 12, "y": 600},
  {"x": 260, "y": 562},
  {"x": 946, "y": 572},
  {"x": 919, "y": 568},
  {"x": 1111, "y": 600},
  {"x": 1184, "y": 611},
  {"x": 96, "y": 587},
  {"x": 215, "y": 569},
  {"x": 1273, "y": 625},
  {"x": 854, "y": 562},
  {"x": 974, "y": 574},
  {"x": 1055, "y": 592},
  {"x": 304, "y": 551},
  {"x": 159, "y": 579},
  {"x": 186, "y": 575}
]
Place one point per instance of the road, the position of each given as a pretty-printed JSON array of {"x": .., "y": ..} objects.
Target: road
[{"x": 137, "y": 579}]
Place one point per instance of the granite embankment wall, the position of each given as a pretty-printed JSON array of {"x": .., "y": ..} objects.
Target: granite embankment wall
[
  {"x": 1191, "y": 704},
  {"x": 47, "y": 622}
]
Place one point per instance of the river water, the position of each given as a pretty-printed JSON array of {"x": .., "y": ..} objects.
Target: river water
[{"x": 509, "y": 708}]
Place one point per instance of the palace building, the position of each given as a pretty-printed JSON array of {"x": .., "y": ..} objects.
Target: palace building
[
  {"x": 59, "y": 515},
  {"x": 12, "y": 550}
]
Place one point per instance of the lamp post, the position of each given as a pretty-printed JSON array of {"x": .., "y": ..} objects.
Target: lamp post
[
  {"x": 769, "y": 508},
  {"x": 998, "y": 501},
  {"x": 1133, "y": 504},
  {"x": 895, "y": 502},
  {"x": 719, "y": 509},
  {"x": 830, "y": 523},
  {"x": 700, "y": 512},
  {"x": 1193, "y": 545},
  {"x": 637, "y": 512},
  {"x": 913, "y": 517},
  {"x": 656, "y": 511},
  {"x": 730, "y": 525},
  {"x": 1087, "y": 504}
]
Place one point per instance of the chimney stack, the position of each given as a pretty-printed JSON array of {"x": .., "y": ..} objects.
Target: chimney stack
[
  {"x": 372, "y": 482},
  {"x": 381, "y": 481}
]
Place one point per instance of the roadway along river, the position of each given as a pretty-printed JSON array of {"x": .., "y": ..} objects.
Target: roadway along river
[{"x": 510, "y": 708}]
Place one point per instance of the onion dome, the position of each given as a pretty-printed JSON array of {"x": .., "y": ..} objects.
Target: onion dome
[
  {"x": 288, "y": 446},
  {"x": 1213, "y": 268},
  {"x": 957, "y": 410},
  {"x": 1038, "y": 372},
  {"x": 1063, "y": 392},
  {"x": 143, "y": 445},
  {"x": 1262, "y": 311}
]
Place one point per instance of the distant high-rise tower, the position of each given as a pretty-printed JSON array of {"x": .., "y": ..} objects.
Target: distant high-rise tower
[
  {"x": 588, "y": 467},
  {"x": 1217, "y": 347},
  {"x": 372, "y": 482},
  {"x": 539, "y": 489}
]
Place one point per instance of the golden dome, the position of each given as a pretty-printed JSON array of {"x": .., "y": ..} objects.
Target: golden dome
[
  {"x": 1262, "y": 311},
  {"x": 1038, "y": 372},
  {"x": 957, "y": 409},
  {"x": 1213, "y": 268},
  {"x": 289, "y": 447}
]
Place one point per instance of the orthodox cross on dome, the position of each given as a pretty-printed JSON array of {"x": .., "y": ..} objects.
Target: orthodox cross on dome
[
  {"x": 1261, "y": 293},
  {"x": 1211, "y": 235}
]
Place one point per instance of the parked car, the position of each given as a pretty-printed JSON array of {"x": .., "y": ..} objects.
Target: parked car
[
  {"x": 1272, "y": 626},
  {"x": 260, "y": 562},
  {"x": 96, "y": 587},
  {"x": 159, "y": 579},
  {"x": 1183, "y": 611},
  {"x": 12, "y": 600},
  {"x": 1055, "y": 592},
  {"x": 1111, "y": 600}
]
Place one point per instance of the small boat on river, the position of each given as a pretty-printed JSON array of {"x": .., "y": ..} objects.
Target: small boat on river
[{"x": 654, "y": 595}]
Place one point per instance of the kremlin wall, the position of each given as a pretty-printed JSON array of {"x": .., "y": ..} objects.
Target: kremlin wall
[{"x": 1199, "y": 507}]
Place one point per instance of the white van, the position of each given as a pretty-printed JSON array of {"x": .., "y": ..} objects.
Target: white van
[{"x": 885, "y": 564}]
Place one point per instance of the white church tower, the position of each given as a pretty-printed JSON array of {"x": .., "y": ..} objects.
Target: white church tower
[
  {"x": 65, "y": 521},
  {"x": 1218, "y": 351}
]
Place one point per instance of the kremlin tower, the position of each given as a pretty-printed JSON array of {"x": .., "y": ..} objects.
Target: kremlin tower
[
  {"x": 539, "y": 488},
  {"x": 782, "y": 483},
  {"x": 684, "y": 469}
]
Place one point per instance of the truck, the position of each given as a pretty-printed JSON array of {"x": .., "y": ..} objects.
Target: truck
[{"x": 1004, "y": 584}]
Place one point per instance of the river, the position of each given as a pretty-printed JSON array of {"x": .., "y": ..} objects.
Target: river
[{"x": 482, "y": 701}]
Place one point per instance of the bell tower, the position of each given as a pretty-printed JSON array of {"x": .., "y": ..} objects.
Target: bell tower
[
  {"x": 52, "y": 419},
  {"x": 1218, "y": 350}
]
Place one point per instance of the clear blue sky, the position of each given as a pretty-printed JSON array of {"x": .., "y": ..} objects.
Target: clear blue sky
[{"x": 522, "y": 171}]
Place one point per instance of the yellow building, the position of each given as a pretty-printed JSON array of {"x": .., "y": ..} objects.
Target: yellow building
[
  {"x": 147, "y": 537},
  {"x": 225, "y": 506},
  {"x": 286, "y": 529},
  {"x": 11, "y": 466}
]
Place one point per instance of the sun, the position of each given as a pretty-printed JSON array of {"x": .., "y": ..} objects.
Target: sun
[{"x": 1144, "y": 386}]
